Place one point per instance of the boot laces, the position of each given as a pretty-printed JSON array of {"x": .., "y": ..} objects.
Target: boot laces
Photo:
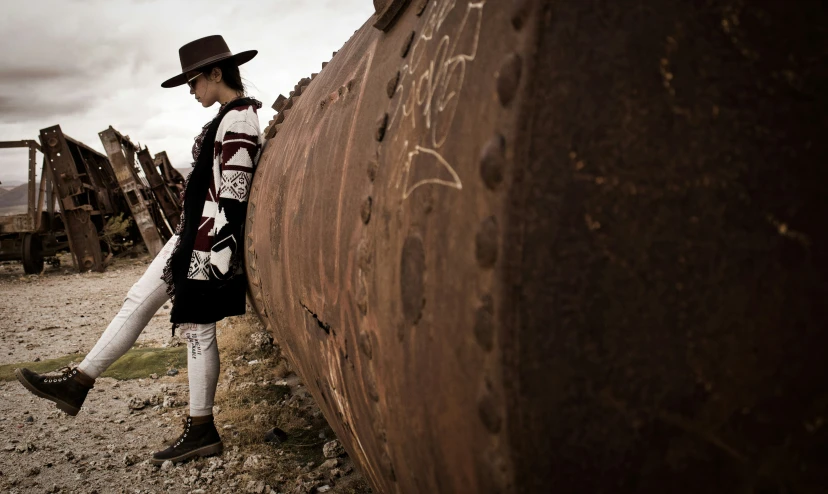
[
  {"x": 187, "y": 424},
  {"x": 66, "y": 374}
]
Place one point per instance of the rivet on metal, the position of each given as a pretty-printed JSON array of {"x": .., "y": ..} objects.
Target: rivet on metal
[
  {"x": 484, "y": 323},
  {"x": 370, "y": 383},
  {"x": 365, "y": 212},
  {"x": 364, "y": 257},
  {"x": 489, "y": 415},
  {"x": 362, "y": 296},
  {"x": 520, "y": 9},
  {"x": 391, "y": 88},
  {"x": 407, "y": 45},
  {"x": 373, "y": 166},
  {"x": 382, "y": 123},
  {"x": 386, "y": 13},
  {"x": 508, "y": 78},
  {"x": 492, "y": 161},
  {"x": 486, "y": 243},
  {"x": 412, "y": 279},
  {"x": 365, "y": 344},
  {"x": 279, "y": 103},
  {"x": 387, "y": 466}
]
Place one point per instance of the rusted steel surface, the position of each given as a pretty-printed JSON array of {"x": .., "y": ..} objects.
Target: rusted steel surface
[
  {"x": 172, "y": 177},
  {"x": 534, "y": 246},
  {"x": 121, "y": 154},
  {"x": 167, "y": 201},
  {"x": 77, "y": 198}
]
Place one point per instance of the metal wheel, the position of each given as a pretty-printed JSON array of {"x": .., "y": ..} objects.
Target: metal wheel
[{"x": 32, "y": 253}]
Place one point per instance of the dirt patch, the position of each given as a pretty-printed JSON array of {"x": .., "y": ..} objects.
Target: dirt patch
[{"x": 53, "y": 319}]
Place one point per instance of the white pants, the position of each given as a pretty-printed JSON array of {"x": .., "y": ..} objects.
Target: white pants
[{"x": 143, "y": 300}]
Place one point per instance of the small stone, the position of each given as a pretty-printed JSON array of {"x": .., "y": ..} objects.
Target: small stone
[
  {"x": 323, "y": 488},
  {"x": 261, "y": 340},
  {"x": 275, "y": 436},
  {"x": 329, "y": 464},
  {"x": 166, "y": 466},
  {"x": 255, "y": 487},
  {"x": 29, "y": 419},
  {"x": 130, "y": 460},
  {"x": 172, "y": 372},
  {"x": 136, "y": 403},
  {"x": 252, "y": 462},
  {"x": 154, "y": 376},
  {"x": 332, "y": 449}
]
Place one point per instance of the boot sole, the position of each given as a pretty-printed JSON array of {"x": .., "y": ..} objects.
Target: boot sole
[
  {"x": 209, "y": 450},
  {"x": 69, "y": 409}
]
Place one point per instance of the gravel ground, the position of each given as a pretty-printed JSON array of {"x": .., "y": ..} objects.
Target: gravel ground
[
  {"x": 62, "y": 312},
  {"x": 107, "y": 446}
]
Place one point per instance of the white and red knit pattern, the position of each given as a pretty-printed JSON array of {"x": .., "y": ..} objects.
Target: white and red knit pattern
[{"x": 218, "y": 243}]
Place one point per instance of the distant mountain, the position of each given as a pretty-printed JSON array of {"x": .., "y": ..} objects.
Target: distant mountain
[{"x": 17, "y": 196}]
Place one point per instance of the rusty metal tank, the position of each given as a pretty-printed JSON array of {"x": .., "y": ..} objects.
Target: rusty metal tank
[{"x": 534, "y": 246}]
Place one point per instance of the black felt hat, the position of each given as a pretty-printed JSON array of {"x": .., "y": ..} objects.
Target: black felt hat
[{"x": 205, "y": 51}]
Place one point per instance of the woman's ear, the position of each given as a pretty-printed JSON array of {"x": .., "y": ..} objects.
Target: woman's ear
[{"x": 215, "y": 75}]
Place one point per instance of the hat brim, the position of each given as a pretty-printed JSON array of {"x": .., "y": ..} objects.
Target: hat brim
[{"x": 240, "y": 58}]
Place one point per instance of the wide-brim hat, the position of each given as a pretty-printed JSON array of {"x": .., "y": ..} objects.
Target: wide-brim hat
[{"x": 205, "y": 51}]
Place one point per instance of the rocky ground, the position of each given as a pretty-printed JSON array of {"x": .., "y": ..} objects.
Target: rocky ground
[{"x": 107, "y": 446}]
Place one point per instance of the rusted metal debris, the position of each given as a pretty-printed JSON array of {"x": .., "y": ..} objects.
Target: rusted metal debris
[
  {"x": 85, "y": 187},
  {"x": 165, "y": 197},
  {"x": 29, "y": 237},
  {"x": 173, "y": 179},
  {"x": 144, "y": 207},
  {"x": 88, "y": 190},
  {"x": 585, "y": 252}
]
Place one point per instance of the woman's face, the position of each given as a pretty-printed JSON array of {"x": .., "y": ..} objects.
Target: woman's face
[{"x": 205, "y": 87}]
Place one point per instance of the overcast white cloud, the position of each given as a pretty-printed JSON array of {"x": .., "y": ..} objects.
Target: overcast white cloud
[{"x": 89, "y": 64}]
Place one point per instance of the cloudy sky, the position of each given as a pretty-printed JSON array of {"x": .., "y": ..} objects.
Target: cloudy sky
[{"x": 89, "y": 64}]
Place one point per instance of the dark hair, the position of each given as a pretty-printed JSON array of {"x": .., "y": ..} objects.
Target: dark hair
[{"x": 229, "y": 74}]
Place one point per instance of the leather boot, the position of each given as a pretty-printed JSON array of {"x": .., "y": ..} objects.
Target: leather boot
[
  {"x": 200, "y": 438},
  {"x": 67, "y": 390}
]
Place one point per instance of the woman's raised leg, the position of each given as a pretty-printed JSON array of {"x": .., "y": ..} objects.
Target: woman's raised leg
[
  {"x": 142, "y": 301},
  {"x": 69, "y": 390}
]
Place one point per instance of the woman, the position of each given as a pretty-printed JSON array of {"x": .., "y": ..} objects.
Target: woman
[{"x": 200, "y": 268}]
